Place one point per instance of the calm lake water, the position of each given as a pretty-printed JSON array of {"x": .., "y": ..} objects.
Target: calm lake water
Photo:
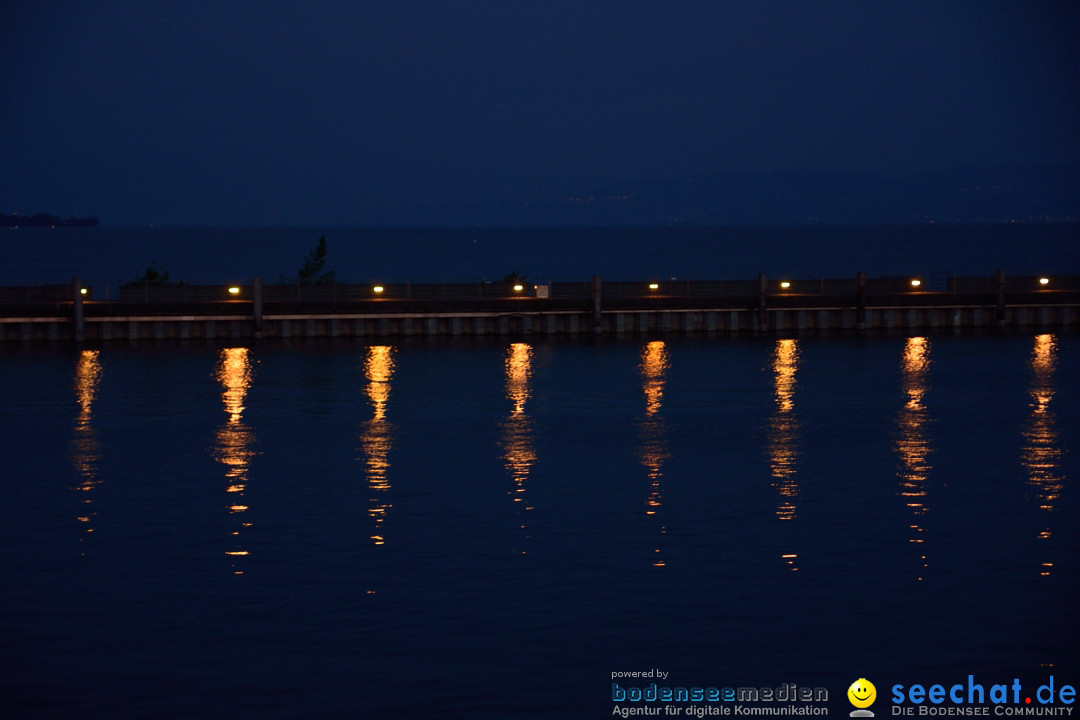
[
  {"x": 106, "y": 257},
  {"x": 490, "y": 529}
]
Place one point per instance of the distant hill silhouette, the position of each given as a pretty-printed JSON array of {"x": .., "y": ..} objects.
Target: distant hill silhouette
[
  {"x": 994, "y": 194},
  {"x": 45, "y": 220}
]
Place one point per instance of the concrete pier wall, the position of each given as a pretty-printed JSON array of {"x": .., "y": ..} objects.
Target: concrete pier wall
[
  {"x": 69, "y": 313},
  {"x": 553, "y": 323}
]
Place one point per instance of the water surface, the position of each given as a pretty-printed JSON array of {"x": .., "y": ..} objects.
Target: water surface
[{"x": 482, "y": 529}]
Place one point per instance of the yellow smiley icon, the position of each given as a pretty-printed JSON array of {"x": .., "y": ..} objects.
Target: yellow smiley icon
[{"x": 862, "y": 693}]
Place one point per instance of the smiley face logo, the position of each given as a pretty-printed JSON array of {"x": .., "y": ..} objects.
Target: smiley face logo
[{"x": 862, "y": 693}]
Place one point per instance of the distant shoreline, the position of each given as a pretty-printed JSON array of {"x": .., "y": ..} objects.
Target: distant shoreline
[{"x": 45, "y": 220}]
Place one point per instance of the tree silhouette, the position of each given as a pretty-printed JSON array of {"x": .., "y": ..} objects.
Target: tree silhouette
[
  {"x": 312, "y": 271},
  {"x": 515, "y": 277},
  {"x": 153, "y": 275}
]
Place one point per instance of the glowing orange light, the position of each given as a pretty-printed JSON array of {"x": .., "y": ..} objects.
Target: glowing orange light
[
  {"x": 519, "y": 288},
  {"x": 234, "y": 290},
  {"x": 913, "y": 446},
  {"x": 377, "y": 289},
  {"x": 784, "y": 434},
  {"x": 1042, "y": 281},
  {"x": 785, "y": 285},
  {"x": 82, "y": 291},
  {"x": 519, "y": 454},
  {"x": 654, "y": 364},
  {"x": 654, "y": 286},
  {"x": 377, "y": 436},
  {"x": 235, "y": 440},
  {"x": 1042, "y": 453},
  {"x": 86, "y": 447},
  {"x": 916, "y": 282}
]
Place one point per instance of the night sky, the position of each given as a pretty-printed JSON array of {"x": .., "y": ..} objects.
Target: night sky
[{"x": 262, "y": 112}]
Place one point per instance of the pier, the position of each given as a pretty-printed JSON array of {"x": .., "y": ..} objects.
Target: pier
[{"x": 71, "y": 313}]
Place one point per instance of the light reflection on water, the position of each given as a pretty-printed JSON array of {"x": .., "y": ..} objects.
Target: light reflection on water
[
  {"x": 1041, "y": 453},
  {"x": 87, "y": 450},
  {"x": 376, "y": 437},
  {"x": 519, "y": 454},
  {"x": 783, "y": 445},
  {"x": 598, "y": 415},
  {"x": 235, "y": 439},
  {"x": 654, "y": 450},
  {"x": 913, "y": 442}
]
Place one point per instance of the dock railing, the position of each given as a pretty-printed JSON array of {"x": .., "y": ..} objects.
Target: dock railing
[
  {"x": 774, "y": 287},
  {"x": 763, "y": 304}
]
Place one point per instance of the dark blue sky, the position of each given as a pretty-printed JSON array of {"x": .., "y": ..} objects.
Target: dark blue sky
[{"x": 264, "y": 112}]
